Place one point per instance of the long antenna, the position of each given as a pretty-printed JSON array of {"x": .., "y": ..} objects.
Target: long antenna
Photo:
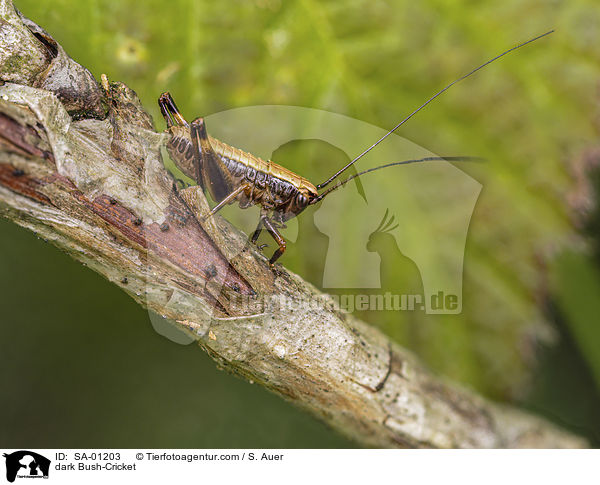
[
  {"x": 392, "y": 164},
  {"x": 337, "y": 174}
]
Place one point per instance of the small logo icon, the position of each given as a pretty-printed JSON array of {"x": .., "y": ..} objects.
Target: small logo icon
[{"x": 26, "y": 464}]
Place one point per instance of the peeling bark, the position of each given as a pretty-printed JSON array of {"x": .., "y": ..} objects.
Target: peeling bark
[{"x": 80, "y": 165}]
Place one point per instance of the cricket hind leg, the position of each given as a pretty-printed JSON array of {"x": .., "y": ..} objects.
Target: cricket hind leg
[
  {"x": 169, "y": 110},
  {"x": 173, "y": 117},
  {"x": 211, "y": 171}
]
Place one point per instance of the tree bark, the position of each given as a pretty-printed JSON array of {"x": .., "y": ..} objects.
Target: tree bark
[{"x": 81, "y": 166}]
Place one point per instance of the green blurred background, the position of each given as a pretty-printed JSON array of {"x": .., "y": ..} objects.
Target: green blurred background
[{"x": 81, "y": 364}]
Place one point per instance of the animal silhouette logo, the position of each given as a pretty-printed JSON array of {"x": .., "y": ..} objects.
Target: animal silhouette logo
[
  {"x": 343, "y": 246},
  {"x": 399, "y": 273},
  {"x": 27, "y": 464}
]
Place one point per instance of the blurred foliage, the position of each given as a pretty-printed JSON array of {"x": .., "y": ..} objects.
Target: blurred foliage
[
  {"x": 529, "y": 115},
  {"x": 577, "y": 285}
]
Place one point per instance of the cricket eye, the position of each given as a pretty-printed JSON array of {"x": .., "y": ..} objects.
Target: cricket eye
[{"x": 301, "y": 199}]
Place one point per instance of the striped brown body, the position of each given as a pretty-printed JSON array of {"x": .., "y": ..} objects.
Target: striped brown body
[{"x": 270, "y": 185}]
